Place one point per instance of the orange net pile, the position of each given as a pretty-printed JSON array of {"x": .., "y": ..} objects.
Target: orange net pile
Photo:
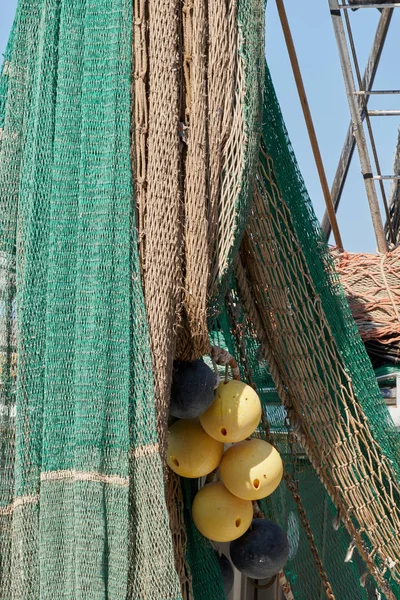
[{"x": 372, "y": 287}]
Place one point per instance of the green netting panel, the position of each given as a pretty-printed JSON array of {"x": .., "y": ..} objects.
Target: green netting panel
[
  {"x": 315, "y": 250},
  {"x": 82, "y": 508},
  {"x": 332, "y": 545},
  {"x": 388, "y": 369},
  {"x": 326, "y": 282},
  {"x": 242, "y": 148},
  {"x": 4, "y": 76}
]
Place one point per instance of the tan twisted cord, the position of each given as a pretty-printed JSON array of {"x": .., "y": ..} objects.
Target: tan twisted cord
[
  {"x": 163, "y": 224},
  {"x": 226, "y": 129},
  {"x": 195, "y": 342},
  {"x": 327, "y": 418},
  {"x": 232, "y": 143},
  {"x": 387, "y": 286},
  {"x": 217, "y": 84},
  {"x": 158, "y": 197},
  {"x": 240, "y": 339},
  {"x": 175, "y": 507},
  {"x": 221, "y": 357},
  {"x": 140, "y": 117},
  {"x": 178, "y": 169},
  {"x": 285, "y": 585},
  {"x": 187, "y": 28},
  {"x": 183, "y": 239}
]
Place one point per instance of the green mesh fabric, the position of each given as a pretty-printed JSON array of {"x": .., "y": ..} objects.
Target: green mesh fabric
[
  {"x": 388, "y": 369},
  {"x": 325, "y": 279},
  {"x": 243, "y": 163},
  {"x": 3, "y": 76},
  {"x": 332, "y": 545},
  {"x": 82, "y": 507}
]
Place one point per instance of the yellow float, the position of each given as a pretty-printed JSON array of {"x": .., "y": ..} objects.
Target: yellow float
[
  {"x": 191, "y": 452},
  {"x": 219, "y": 515},
  {"x": 235, "y": 413},
  {"x": 251, "y": 469}
]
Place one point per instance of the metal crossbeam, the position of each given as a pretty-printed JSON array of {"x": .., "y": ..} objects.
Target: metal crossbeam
[
  {"x": 375, "y": 92},
  {"x": 355, "y": 6},
  {"x": 384, "y": 113}
]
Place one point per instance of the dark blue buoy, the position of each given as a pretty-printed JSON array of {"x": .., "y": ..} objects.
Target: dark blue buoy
[
  {"x": 262, "y": 551},
  {"x": 192, "y": 390}
]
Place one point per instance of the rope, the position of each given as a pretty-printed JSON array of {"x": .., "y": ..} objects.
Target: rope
[
  {"x": 194, "y": 340},
  {"x": 388, "y": 288},
  {"x": 285, "y": 585},
  {"x": 264, "y": 586},
  {"x": 341, "y": 449},
  {"x": 223, "y": 358},
  {"x": 141, "y": 116},
  {"x": 163, "y": 275}
]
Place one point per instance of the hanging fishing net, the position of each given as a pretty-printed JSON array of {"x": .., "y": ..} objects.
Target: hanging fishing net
[
  {"x": 151, "y": 206},
  {"x": 82, "y": 494}
]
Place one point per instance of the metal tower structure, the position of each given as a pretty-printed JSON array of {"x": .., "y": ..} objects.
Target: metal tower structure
[{"x": 359, "y": 89}]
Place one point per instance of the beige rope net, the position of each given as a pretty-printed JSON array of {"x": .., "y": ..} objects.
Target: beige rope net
[
  {"x": 81, "y": 501},
  {"x": 273, "y": 280},
  {"x": 194, "y": 334},
  {"x": 188, "y": 151},
  {"x": 372, "y": 286},
  {"x": 195, "y": 148}
]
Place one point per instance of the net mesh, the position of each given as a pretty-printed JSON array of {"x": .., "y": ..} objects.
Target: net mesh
[
  {"x": 371, "y": 285},
  {"x": 234, "y": 331},
  {"x": 86, "y": 90},
  {"x": 288, "y": 287},
  {"x": 82, "y": 504}
]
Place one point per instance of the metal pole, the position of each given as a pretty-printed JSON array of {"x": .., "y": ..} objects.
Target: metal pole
[
  {"x": 368, "y": 122},
  {"x": 376, "y": 92},
  {"x": 357, "y": 126},
  {"x": 377, "y": 5},
  {"x": 255, "y": 592},
  {"x": 349, "y": 144},
  {"x": 384, "y": 113},
  {"x": 309, "y": 122}
]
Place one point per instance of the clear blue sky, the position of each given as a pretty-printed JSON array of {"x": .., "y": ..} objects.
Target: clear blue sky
[{"x": 313, "y": 35}]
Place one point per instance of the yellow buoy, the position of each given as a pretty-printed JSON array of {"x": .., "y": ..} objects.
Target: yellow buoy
[
  {"x": 191, "y": 452},
  {"x": 251, "y": 469},
  {"x": 219, "y": 515},
  {"x": 234, "y": 414}
]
